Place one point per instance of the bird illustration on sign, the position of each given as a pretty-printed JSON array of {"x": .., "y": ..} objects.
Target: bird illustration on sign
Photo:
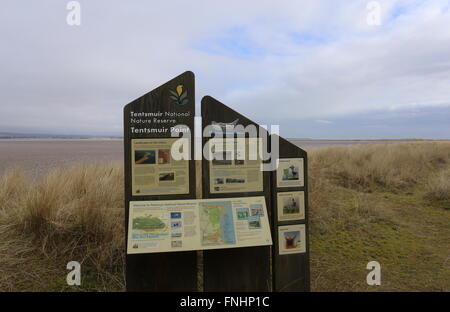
[{"x": 225, "y": 125}]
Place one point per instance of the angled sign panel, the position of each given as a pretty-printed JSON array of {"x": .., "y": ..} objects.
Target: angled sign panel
[{"x": 159, "y": 165}]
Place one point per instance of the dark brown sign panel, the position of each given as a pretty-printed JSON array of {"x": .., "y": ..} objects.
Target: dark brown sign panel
[
  {"x": 235, "y": 269},
  {"x": 290, "y": 219},
  {"x": 151, "y": 125}
]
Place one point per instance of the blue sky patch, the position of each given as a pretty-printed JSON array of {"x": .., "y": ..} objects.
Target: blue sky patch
[
  {"x": 235, "y": 42},
  {"x": 309, "y": 38}
]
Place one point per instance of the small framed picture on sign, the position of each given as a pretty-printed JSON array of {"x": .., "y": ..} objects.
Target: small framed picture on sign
[
  {"x": 291, "y": 206},
  {"x": 292, "y": 239},
  {"x": 290, "y": 172}
]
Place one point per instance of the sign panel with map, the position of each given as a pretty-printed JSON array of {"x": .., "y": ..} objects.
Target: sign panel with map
[{"x": 181, "y": 225}]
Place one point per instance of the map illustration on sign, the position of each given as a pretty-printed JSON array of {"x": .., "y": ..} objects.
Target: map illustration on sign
[
  {"x": 148, "y": 223},
  {"x": 197, "y": 224},
  {"x": 216, "y": 223}
]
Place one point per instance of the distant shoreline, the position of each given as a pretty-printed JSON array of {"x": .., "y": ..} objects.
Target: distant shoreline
[
  {"x": 289, "y": 139},
  {"x": 59, "y": 139},
  {"x": 367, "y": 140}
]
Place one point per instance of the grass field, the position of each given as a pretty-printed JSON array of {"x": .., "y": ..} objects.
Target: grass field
[{"x": 389, "y": 203}]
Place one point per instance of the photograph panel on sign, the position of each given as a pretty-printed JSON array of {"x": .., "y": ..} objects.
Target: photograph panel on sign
[
  {"x": 291, "y": 206},
  {"x": 154, "y": 171},
  {"x": 292, "y": 239},
  {"x": 290, "y": 172},
  {"x": 233, "y": 167}
]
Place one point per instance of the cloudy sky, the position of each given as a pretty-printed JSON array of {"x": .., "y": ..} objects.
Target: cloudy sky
[{"x": 317, "y": 69}]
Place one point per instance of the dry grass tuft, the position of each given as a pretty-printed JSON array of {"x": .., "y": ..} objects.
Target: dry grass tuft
[
  {"x": 391, "y": 166},
  {"x": 73, "y": 213},
  {"x": 341, "y": 179},
  {"x": 438, "y": 186}
]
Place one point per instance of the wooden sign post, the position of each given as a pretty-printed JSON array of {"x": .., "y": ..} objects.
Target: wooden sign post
[
  {"x": 235, "y": 269},
  {"x": 151, "y": 126},
  {"x": 290, "y": 219},
  {"x": 251, "y": 223}
]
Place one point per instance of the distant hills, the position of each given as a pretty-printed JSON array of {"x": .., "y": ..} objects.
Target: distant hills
[{"x": 15, "y": 135}]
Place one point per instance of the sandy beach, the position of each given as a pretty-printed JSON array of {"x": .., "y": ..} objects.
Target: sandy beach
[{"x": 36, "y": 156}]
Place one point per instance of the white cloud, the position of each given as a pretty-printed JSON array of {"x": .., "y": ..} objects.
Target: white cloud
[
  {"x": 271, "y": 60},
  {"x": 322, "y": 121}
]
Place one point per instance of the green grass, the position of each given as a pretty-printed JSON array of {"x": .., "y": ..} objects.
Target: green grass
[{"x": 409, "y": 237}]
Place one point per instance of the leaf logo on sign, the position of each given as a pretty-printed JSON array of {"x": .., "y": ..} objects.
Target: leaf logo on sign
[{"x": 179, "y": 96}]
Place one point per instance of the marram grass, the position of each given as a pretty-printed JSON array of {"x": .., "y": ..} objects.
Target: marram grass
[{"x": 389, "y": 203}]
